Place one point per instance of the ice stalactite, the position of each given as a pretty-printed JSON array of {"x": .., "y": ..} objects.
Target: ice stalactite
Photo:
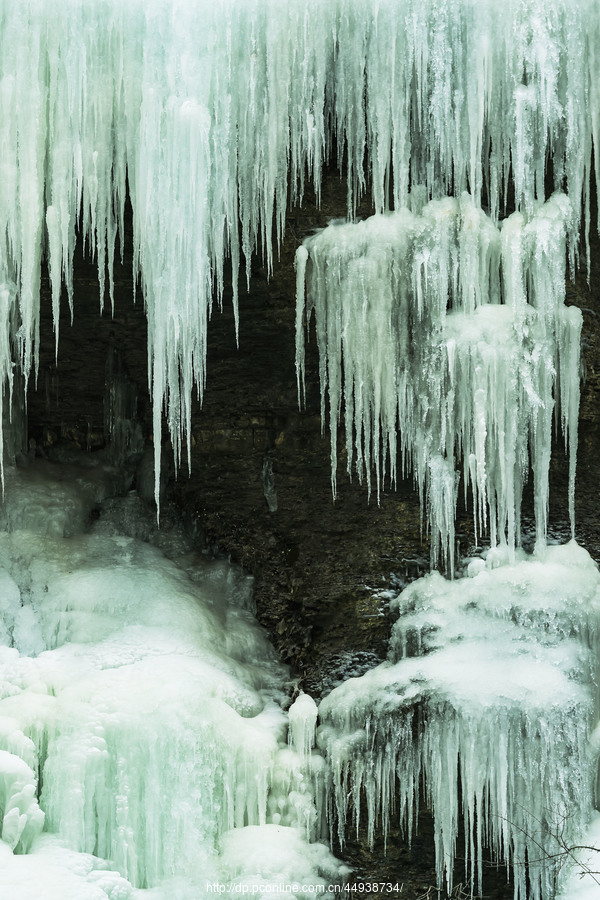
[
  {"x": 488, "y": 699},
  {"x": 302, "y": 717},
  {"x": 212, "y": 116},
  {"x": 447, "y": 342}
]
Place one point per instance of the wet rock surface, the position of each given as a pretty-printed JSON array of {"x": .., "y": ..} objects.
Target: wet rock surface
[{"x": 260, "y": 483}]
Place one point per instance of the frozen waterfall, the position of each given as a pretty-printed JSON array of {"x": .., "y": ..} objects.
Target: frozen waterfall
[
  {"x": 445, "y": 343},
  {"x": 450, "y": 335},
  {"x": 486, "y": 704},
  {"x": 205, "y": 112},
  {"x": 446, "y": 347},
  {"x": 144, "y": 751}
]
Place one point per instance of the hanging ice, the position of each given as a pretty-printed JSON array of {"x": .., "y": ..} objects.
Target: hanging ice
[
  {"x": 489, "y": 696},
  {"x": 203, "y": 111},
  {"x": 448, "y": 335}
]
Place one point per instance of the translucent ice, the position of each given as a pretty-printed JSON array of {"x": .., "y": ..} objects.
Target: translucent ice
[
  {"x": 447, "y": 340},
  {"x": 210, "y": 114},
  {"x": 302, "y": 716},
  {"x": 491, "y": 685},
  {"x": 22, "y": 819},
  {"x": 140, "y": 715}
]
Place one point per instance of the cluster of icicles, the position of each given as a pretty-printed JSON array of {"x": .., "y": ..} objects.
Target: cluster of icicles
[
  {"x": 444, "y": 340},
  {"x": 206, "y": 113},
  {"x": 433, "y": 323},
  {"x": 487, "y": 708},
  {"x": 449, "y": 336}
]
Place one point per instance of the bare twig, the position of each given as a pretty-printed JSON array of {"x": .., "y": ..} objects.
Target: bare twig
[{"x": 566, "y": 852}]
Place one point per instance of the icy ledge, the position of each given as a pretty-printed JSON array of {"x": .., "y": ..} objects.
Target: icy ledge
[
  {"x": 491, "y": 683},
  {"x": 446, "y": 338}
]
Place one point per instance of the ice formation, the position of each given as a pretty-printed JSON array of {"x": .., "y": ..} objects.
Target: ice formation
[
  {"x": 447, "y": 336},
  {"x": 205, "y": 112},
  {"x": 490, "y": 696},
  {"x": 211, "y": 116},
  {"x": 143, "y": 746}
]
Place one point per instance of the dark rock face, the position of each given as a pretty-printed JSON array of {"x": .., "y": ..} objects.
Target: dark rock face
[{"x": 260, "y": 487}]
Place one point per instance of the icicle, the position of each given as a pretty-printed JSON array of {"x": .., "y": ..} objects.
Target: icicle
[
  {"x": 491, "y": 685},
  {"x": 409, "y": 320},
  {"x": 204, "y": 111},
  {"x": 302, "y": 716},
  {"x": 300, "y": 265}
]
